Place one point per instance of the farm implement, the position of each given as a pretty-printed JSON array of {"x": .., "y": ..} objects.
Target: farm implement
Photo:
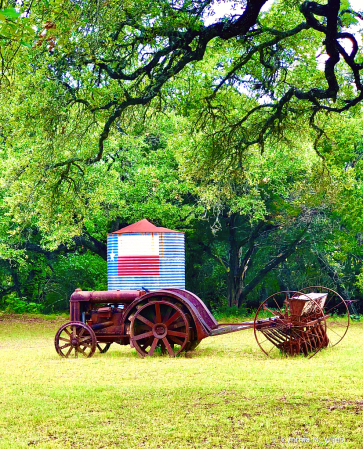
[{"x": 173, "y": 320}]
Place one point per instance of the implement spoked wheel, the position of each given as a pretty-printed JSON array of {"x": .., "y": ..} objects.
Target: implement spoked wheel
[
  {"x": 160, "y": 324},
  {"x": 336, "y": 310},
  {"x": 283, "y": 325},
  {"x": 75, "y": 339}
]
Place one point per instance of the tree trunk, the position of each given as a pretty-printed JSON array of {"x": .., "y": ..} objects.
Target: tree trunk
[
  {"x": 290, "y": 249},
  {"x": 334, "y": 276},
  {"x": 232, "y": 285},
  {"x": 16, "y": 281},
  {"x": 238, "y": 265}
]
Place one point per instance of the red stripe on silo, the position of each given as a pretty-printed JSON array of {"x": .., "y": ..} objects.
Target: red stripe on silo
[{"x": 139, "y": 266}]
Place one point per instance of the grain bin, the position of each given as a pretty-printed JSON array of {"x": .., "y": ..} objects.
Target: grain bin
[{"x": 145, "y": 256}]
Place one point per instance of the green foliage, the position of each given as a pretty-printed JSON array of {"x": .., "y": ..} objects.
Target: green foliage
[
  {"x": 359, "y": 282},
  {"x": 13, "y": 304},
  {"x": 132, "y": 110},
  {"x": 85, "y": 271},
  {"x": 232, "y": 314}
]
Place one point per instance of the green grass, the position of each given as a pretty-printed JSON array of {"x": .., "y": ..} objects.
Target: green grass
[{"x": 226, "y": 395}]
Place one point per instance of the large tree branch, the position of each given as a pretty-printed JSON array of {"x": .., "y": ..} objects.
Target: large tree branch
[
  {"x": 79, "y": 242},
  {"x": 149, "y": 57},
  {"x": 290, "y": 249},
  {"x": 180, "y": 55},
  {"x": 334, "y": 276},
  {"x": 256, "y": 232},
  {"x": 280, "y": 35}
]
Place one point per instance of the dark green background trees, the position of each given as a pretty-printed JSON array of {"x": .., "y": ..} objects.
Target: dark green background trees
[{"x": 243, "y": 131}]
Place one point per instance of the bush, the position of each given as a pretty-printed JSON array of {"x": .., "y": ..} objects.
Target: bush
[
  {"x": 231, "y": 313},
  {"x": 86, "y": 271},
  {"x": 13, "y": 304}
]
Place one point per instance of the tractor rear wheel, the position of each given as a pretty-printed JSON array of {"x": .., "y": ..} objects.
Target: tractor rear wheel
[{"x": 159, "y": 324}]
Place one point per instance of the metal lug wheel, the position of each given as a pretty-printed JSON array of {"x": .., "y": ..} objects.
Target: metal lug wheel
[
  {"x": 336, "y": 311},
  {"x": 280, "y": 328},
  {"x": 103, "y": 347},
  {"x": 75, "y": 339},
  {"x": 159, "y": 324}
]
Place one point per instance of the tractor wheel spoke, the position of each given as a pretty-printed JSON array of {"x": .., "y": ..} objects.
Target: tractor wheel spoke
[
  {"x": 145, "y": 335},
  {"x": 176, "y": 340},
  {"x": 172, "y": 318},
  {"x": 177, "y": 334},
  {"x": 168, "y": 347},
  {"x": 167, "y": 315},
  {"x": 153, "y": 346},
  {"x": 144, "y": 320},
  {"x": 82, "y": 351},
  {"x": 82, "y": 340},
  {"x": 64, "y": 339},
  {"x": 69, "y": 351}
]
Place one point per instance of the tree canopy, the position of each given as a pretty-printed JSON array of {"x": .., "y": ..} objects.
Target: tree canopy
[{"x": 247, "y": 122}]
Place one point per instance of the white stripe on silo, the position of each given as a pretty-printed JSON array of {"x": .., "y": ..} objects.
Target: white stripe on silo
[{"x": 138, "y": 245}]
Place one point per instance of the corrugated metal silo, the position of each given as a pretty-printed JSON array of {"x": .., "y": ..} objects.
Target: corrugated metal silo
[{"x": 144, "y": 255}]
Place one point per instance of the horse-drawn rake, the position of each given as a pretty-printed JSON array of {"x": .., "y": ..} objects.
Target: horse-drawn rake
[{"x": 172, "y": 321}]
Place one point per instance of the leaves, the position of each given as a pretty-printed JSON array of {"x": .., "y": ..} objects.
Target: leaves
[
  {"x": 10, "y": 13},
  {"x": 144, "y": 110}
]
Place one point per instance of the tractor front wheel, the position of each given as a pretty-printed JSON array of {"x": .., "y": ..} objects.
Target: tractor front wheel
[{"x": 75, "y": 339}]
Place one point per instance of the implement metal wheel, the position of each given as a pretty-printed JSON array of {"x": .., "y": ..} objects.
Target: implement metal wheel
[
  {"x": 337, "y": 321},
  {"x": 284, "y": 327},
  {"x": 159, "y": 324},
  {"x": 75, "y": 338}
]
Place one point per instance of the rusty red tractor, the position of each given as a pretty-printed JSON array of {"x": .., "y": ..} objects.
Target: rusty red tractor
[{"x": 172, "y": 321}]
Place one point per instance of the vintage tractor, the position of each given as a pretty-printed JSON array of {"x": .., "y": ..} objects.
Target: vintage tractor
[{"x": 174, "y": 320}]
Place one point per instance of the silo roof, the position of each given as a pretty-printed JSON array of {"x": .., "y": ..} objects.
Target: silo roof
[{"x": 143, "y": 226}]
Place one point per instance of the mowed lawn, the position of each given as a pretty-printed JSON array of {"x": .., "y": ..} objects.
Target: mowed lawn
[{"x": 226, "y": 395}]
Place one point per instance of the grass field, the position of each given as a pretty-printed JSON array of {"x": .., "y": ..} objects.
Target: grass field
[{"x": 226, "y": 395}]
